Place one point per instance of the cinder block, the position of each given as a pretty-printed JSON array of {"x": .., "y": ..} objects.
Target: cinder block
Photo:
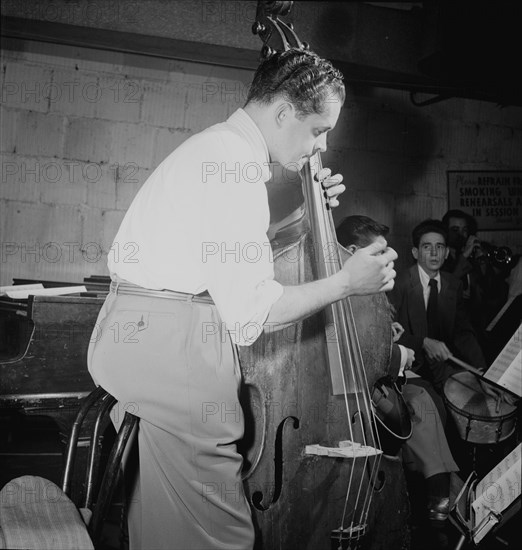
[
  {"x": 455, "y": 141},
  {"x": 370, "y": 171},
  {"x": 511, "y": 116},
  {"x": 21, "y": 178},
  {"x": 89, "y": 140},
  {"x": 168, "y": 139},
  {"x": 402, "y": 245},
  {"x": 376, "y": 205},
  {"x": 64, "y": 181},
  {"x": 40, "y": 134},
  {"x": 26, "y": 86},
  {"x": 439, "y": 207},
  {"x": 128, "y": 184},
  {"x": 111, "y": 220},
  {"x": 46, "y": 241},
  {"x": 164, "y": 104},
  {"x": 132, "y": 143},
  {"x": 92, "y": 227},
  {"x": 119, "y": 98},
  {"x": 428, "y": 176},
  {"x": 208, "y": 103},
  {"x": 449, "y": 109},
  {"x": 73, "y": 93},
  {"x": 410, "y": 210},
  {"x": 95, "y": 258},
  {"x": 100, "y": 181},
  {"x": 419, "y": 142},
  {"x": 510, "y": 155},
  {"x": 491, "y": 142},
  {"x": 351, "y": 130},
  {"x": 386, "y": 132},
  {"x": 8, "y": 129},
  {"x": 468, "y": 110}
]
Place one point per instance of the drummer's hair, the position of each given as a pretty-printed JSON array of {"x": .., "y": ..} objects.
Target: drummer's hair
[
  {"x": 303, "y": 78},
  {"x": 428, "y": 226},
  {"x": 360, "y": 231}
]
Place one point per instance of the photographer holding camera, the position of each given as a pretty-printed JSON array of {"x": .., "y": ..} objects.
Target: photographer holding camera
[{"x": 483, "y": 280}]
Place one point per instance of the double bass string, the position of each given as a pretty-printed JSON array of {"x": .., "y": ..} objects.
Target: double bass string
[
  {"x": 345, "y": 323},
  {"x": 369, "y": 412}
]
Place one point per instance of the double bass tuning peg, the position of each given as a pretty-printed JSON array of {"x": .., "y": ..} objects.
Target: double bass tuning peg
[
  {"x": 258, "y": 28},
  {"x": 267, "y": 51}
]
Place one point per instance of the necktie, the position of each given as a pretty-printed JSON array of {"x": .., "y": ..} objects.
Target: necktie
[{"x": 431, "y": 311}]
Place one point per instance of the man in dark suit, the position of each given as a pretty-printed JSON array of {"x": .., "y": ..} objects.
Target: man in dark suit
[
  {"x": 426, "y": 453},
  {"x": 450, "y": 332}
]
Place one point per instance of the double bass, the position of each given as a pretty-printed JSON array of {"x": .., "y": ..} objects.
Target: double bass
[{"x": 314, "y": 473}]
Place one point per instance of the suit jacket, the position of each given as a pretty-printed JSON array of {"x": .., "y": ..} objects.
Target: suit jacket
[{"x": 456, "y": 330}]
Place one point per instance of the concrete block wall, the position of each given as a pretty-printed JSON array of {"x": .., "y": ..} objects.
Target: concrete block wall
[{"x": 81, "y": 130}]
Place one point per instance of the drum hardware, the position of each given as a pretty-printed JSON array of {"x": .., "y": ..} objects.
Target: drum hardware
[
  {"x": 478, "y": 417},
  {"x": 480, "y": 374}
]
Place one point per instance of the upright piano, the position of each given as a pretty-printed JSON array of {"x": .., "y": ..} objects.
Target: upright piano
[{"x": 43, "y": 355}]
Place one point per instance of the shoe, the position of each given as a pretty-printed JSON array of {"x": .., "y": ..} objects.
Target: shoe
[{"x": 438, "y": 509}]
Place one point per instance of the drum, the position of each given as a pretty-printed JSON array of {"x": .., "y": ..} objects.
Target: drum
[{"x": 479, "y": 417}]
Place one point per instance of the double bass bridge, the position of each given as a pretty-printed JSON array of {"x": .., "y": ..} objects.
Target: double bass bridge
[{"x": 346, "y": 449}]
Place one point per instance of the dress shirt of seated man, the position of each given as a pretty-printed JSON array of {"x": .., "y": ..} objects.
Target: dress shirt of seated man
[
  {"x": 427, "y": 451},
  {"x": 454, "y": 333}
]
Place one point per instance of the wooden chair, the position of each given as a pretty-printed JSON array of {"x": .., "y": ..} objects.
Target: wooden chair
[{"x": 36, "y": 514}]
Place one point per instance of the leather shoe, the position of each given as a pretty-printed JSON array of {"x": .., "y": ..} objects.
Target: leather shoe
[{"x": 438, "y": 508}]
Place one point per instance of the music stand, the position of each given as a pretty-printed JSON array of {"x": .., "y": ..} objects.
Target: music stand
[{"x": 464, "y": 517}]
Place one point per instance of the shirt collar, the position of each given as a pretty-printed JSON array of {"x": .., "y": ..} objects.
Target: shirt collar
[
  {"x": 242, "y": 121},
  {"x": 425, "y": 278}
]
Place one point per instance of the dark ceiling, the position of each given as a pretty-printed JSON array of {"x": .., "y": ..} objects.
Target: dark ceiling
[
  {"x": 435, "y": 49},
  {"x": 478, "y": 48}
]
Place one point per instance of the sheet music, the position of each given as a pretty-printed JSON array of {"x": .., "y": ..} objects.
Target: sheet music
[
  {"x": 499, "y": 488},
  {"x": 506, "y": 369},
  {"x": 5, "y": 289},
  {"x": 56, "y": 291}
]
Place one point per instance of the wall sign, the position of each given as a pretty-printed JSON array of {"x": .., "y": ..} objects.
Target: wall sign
[{"x": 493, "y": 198}]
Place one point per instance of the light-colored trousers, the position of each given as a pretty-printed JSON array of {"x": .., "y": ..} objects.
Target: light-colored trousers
[
  {"x": 169, "y": 362},
  {"x": 427, "y": 450}
]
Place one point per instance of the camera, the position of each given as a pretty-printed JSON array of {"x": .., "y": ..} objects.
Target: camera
[{"x": 500, "y": 256}]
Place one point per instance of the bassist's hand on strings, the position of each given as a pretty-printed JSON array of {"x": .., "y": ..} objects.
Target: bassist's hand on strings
[
  {"x": 332, "y": 185},
  {"x": 369, "y": 270}
]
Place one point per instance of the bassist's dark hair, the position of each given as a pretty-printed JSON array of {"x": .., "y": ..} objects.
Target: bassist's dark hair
[{"x": 300, "y": 76}]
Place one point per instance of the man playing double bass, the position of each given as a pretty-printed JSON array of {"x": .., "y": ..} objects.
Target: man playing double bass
[{"x": 194, "y": 295}]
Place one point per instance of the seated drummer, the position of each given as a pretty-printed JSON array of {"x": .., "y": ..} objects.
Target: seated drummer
[
  {"x": 430, "y": 307},
  {"x": 439, "y": 332},
  {"x": 427, "y": 451}
]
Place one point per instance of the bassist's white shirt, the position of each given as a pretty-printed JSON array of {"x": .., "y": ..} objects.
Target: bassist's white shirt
[{"x": 199, "y": 223}]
